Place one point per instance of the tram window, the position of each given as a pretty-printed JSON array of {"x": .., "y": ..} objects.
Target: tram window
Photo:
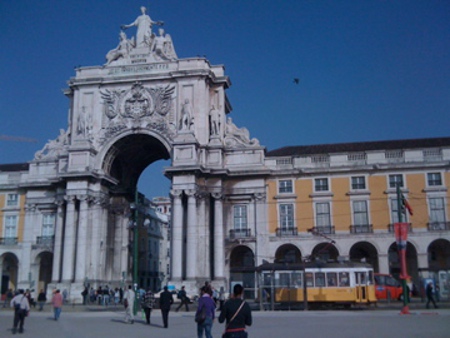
[
  {"x": 391, "y": 281},
  {"x": 297, "y": 279},
  {"x": 284, "y": 279},
  {"x": 362, "y": 277},
  {"x": 343, "y": 279},
  {"x": 370, "y": 277},
  {"x": 331, "y": 278},
  {"x": 309, "y": 279},
  {"x": 319, "y": 279}
]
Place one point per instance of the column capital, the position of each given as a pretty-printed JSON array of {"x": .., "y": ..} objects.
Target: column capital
[
  {"x": 176, "y": 193},
  {"x": 259, "y": 196},
  {"x": 191, "y": 192},
  {"x": 217, "y": 195},
  {"x": 70, "y": 198},
  {"x": 30, "y": 207}
]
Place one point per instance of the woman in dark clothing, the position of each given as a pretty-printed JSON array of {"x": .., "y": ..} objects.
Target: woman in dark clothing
[
  {"x": 237, "y": 314},
  {"x": 148, "y": 302},
  {"x": 205, "y": 302}
]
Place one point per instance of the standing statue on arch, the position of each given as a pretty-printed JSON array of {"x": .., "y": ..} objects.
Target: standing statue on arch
[{"x": 144, "y": 25}]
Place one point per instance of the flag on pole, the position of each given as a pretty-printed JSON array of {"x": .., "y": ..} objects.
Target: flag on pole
[{"x": 405, "y": 205}]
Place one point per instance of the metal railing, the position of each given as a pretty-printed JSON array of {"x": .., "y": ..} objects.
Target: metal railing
[
  {"x": 325, "y": 229},
  {"x": 287, "y": 232},
  {"x": 45, "y": 240},
  {"x": 391, "y": 227},
  {"x": 9, "y": 240},
  {"x": 240, "y": 233},
  {"x": 438, "y": 226},
  {"x": 361, "y": 229}
]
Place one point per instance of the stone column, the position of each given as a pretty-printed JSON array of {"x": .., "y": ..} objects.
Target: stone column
[
  {"x": 69, "y": 241},
  {"x": 192, "y": 236},
  {"x": 82, "y": 250},
  {"x": 57, "y": 247},
  {"x": 218, "y": 237},
  {"x": 203, "y": 242},
  {"x": 261, "y": 235},
  {"x": 27, "y": 233},
  {"x": 177, "y": 236}
]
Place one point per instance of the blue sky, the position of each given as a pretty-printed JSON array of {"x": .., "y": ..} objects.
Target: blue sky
[{"x": 368, "y": 70}]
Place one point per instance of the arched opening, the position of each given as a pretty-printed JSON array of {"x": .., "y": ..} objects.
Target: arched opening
[
  {"x": 129, "y": 157},
  {"x": 45, "y": 261},
  {"x": 134, "y": 164},
  {"x": 439, "y": 255},
  {"x": 365, "y": 252},
  {"x": 288, "y": 254},
  {"x": 411, "y": 261},
  {"x": 10, "y": 265},
  {"x": 242, "y": 265},
  {"x": 325, "y": 252}
]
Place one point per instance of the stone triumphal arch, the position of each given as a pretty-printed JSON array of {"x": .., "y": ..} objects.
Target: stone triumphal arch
[{"x": 143, "y": 105}]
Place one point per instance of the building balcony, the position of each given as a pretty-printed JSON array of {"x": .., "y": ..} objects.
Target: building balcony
[
  {"x": 240, "y": 233},
  {"x": 438, "y": 226},
  {"x": 9, "y": 241},
  {"x": 325, "y": 229},
  {"x": 45, "y": 240},
  {"x": 282, "y": 232},
  {"x": 391, "y": 227},
  {"x": 361, "y": 229}
]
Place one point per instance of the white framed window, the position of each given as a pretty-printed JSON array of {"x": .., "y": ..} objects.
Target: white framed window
[
  {"x": 285, "y": 187},
  {"x": 358, "y": 183},
  {"x": 360, "y": 213},
  {"x": 394, "y": 180},
  {"x": 12, "y": 200},
  {"x": 437, "y": 210},
  {"x": 240, "y": 217},
  {"x": 434, "y": 179},
  {"x": 323, "y": 216},
  {"x": 286, "y": 215},
  {"x": 321, "y": 184},
  {"x": 48, "y": 224},
  {"x": 394, "y": 211},
  {"x": 10, "y": 222}
]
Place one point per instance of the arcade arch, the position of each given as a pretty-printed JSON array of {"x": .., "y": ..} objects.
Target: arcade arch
[
  {"x": 9, "y": 267},
  {"x": 325, "y": 251},
  {"x": 439, "y": 255},
  {"x": 365, "y": 251},
  {"x": 411, "y": 261},
  {"x": 289, "y": 254},
  {"x": 242, "y": 266}
]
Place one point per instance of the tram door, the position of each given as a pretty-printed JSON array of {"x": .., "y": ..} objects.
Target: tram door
[{"x": 361, "y": 287}]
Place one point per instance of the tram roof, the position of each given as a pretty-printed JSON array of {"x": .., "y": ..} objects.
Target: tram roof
[{"x": 310, "y": 265}]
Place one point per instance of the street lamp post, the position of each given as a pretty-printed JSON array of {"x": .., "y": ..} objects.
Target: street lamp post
[{"x": 135, "y": 216}]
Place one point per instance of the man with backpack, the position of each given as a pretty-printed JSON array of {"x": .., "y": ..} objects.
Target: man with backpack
[{"x": 21, "y": 308}]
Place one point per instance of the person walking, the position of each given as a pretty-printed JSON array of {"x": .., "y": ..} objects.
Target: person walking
[
  {"x": 205, "y": 304},
  {"x": 165, "y": 301},
  {"x": 430, "y": 297},
  {"x": 42, "y": 298},
  {"x": 148, "y": 302},
  {"x": 128, "y": 302},
  {"x": 237, "y": 314},
  {"x": 21, "y": 308},
  {"x": 57, "y": 303},
  {"x": 184, "y": 299}
]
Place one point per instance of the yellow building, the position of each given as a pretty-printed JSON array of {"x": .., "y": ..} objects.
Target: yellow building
[{"x": 340, "y": 201}]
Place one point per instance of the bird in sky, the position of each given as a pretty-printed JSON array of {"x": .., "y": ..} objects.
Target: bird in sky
[{"x": 296, "y": 80}]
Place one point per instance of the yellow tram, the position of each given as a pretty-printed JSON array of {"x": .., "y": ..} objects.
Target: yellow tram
[{"x": 327, "y": 284}]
